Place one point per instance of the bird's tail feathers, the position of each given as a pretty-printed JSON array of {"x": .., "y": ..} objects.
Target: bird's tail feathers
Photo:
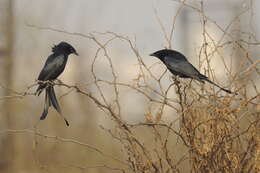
[
  {"x": 54, "y": 102},
  {"x": 47, "y": 104},
  {"x": 40, "y": 89},
  {"x": 51, "y": 100},
  {"x": 203, "y": 77}
]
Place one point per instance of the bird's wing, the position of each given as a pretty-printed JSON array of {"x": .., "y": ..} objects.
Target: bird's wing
[
  {"x": 182, "y": 67},
  {"x": 53, "y": 67}
]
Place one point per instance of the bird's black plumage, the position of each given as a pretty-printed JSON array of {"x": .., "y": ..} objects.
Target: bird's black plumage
[
  {"x": 178, "y": 65},
  {"x": 54, "y": 66}
]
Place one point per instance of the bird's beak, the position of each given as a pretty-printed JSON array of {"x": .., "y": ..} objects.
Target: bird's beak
[
  {"x": 76, "y": 53},
  {"x": 152, "y": 54}
]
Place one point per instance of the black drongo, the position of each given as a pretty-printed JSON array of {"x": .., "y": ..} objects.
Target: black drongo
[
  {"x": 54, "y": 66},
  {"x": 178, "y": 65}
]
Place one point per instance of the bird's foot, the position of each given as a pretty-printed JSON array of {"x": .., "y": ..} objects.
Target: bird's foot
[
  {"x": 59, "y": 82},
  {"x": 175, "y": 80}
]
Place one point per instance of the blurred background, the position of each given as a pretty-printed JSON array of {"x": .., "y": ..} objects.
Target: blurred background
[{"x": 24, "y": 49}]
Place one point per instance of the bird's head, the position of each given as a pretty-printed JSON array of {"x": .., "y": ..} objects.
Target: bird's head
[
  {"x": 161, "y": 53},
  {"x": 64, "y": 48}
]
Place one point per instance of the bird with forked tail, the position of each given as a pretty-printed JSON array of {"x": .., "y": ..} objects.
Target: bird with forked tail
[
  {"x": 54, "y": 66},
  {"x": 178, "y": 65}
]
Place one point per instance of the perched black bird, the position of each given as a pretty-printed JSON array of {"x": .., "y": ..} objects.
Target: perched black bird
[
  {"x": 180, "y": 66},
  {"x": 54, "y": 66}
]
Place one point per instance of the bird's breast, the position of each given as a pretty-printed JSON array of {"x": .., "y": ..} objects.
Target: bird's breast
[{"x": 60, "y": 60}]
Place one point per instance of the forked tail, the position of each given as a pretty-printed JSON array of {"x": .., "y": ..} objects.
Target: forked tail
[{"x": 51, "y": 100}]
